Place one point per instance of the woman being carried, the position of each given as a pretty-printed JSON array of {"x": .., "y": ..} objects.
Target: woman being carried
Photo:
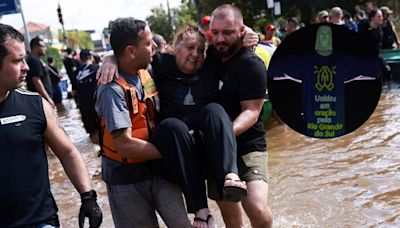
[{"x": 193, "y": 134}]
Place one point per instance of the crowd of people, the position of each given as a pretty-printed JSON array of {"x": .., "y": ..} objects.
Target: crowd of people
[
  {"x": 169, "y": 118},
  {"x": 373, "y": 21}
]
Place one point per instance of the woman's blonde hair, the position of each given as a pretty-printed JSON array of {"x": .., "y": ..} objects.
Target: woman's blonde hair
[{"x": 189, "y": 31}]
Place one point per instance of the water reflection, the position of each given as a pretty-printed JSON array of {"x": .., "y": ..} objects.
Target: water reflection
[{"x": 350, "y": 181}]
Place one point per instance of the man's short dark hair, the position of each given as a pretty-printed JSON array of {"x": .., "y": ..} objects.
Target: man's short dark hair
[
  {"x": 372, "y": 13},
  {"x": 159, "y": 40},
  {"x": 125, "y": 32},
  {"x": 7, "y": 32},
  {"x": 85, "y": 54},
  {"x": 69, "y": 50},
  {"x": 223, "y": 11},
  {"x": 50, "y": 59},
  {"x": 35, "y": 42}
]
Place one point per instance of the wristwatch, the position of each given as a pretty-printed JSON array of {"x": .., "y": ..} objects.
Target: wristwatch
[{"x": 89, "y": 195}]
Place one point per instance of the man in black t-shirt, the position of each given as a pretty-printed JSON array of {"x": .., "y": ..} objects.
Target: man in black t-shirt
[
  {"x": 86, "y": 87},
  {"x": 38, "y": 79},
  {"x": 71, "y": 65},
  {"x": 242, "y": 90},
  {"x": 372, "y": 29},
  {"x": 55, "y": 78}
]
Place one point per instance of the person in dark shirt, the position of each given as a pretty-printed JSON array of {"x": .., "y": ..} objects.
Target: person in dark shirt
[
  {"x": 389, "y": 30},
  {"x": 242, "y": 89},
  {"x": 372, "y": 30},
  {"x": 55, "y": 78},
  {"x": 38, "y": 79},
  {"x": 86, "y": 88},
  {"x": 71, "y": 64},
  {"x": 349, "y": 22}
]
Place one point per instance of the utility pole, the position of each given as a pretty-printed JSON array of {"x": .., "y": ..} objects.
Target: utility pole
[
  {"x": 198, "y": 12},
  {"x": 169, "y": 20},
  {"x": 27, "y": 36},
  {"x": 270, "y": 6}
]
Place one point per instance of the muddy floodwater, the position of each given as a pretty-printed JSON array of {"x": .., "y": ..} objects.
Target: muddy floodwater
[{"x": 351, "y": 181}]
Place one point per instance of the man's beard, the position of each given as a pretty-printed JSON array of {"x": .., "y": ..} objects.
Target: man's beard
[{"x": 231, "y": 49}]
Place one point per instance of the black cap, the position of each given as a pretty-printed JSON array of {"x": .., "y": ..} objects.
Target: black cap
[{"x": 85, "y": 53}]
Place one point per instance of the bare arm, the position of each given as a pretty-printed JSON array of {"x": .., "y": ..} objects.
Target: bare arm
[
  {"x": 37, "y": 82},
  {"x": 248, "y": 117},
  {"x": 250, "y": 38},
  {"x": 108, "y": 70},
  {"x": 63, "y": 148},
  {"x": 130, "y": 147}
]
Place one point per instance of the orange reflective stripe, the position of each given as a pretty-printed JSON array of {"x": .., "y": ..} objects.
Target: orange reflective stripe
[
  {"x": 149, "y": 87},
  {"x": 108, "y": 149},
  {"x": 150, "y": 95}
]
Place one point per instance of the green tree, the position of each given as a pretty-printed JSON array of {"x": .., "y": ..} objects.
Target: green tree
[
  {"x": 252, "y": 10},
  {"x": 79, "y": 39},
  {"x": 184, "y": 15},
  {"x": 159, "y": 23},
  {"x": 181, "y": 16},
  {"x": 255, "y": 12},
  {"x": 55, "y": 53}
]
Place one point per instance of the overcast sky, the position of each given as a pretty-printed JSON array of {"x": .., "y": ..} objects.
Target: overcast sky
[{"x": 83, "y": 14}]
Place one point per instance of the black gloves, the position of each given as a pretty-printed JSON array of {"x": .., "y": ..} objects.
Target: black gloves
[{"x": 90, "y": 209}]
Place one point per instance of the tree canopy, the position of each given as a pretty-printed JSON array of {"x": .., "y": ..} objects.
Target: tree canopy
[
  {"x": 255, "y": 12},
  {"x": 160, "y": 22},
  {"x": 79, "y": 39}
]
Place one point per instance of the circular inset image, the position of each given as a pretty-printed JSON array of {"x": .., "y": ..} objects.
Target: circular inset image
[{"x": 324, "y": 80}]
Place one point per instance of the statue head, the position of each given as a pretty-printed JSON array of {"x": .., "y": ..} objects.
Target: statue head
[{"x": 323, "y": 42}]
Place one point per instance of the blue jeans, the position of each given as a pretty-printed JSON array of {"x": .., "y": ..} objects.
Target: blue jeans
[{"x": 134, "y": 205}]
